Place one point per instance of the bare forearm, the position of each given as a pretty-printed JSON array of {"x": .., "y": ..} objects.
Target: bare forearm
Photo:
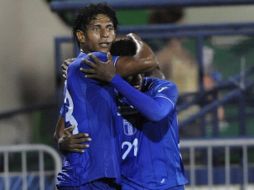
[
  {"x": 143, "y": 61},
  {"x": 59, "y": 130}
]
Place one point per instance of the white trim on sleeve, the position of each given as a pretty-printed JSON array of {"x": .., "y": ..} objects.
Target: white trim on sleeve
[{"x": 160, "y": 96}]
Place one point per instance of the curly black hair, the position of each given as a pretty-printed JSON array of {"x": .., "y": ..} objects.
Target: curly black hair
[
  {"x": 123, "y": 47},
  {"x": 88, "y": 13}
]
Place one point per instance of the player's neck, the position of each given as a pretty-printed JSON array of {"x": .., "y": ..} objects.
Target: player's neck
[{"x": 83, "y": 48}]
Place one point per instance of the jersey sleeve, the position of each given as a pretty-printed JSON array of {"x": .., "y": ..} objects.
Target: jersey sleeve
[
  {"x": 168, "y": 92},
  {"x": 62, "y": 111},
  {"x": 155, "y": 107}
]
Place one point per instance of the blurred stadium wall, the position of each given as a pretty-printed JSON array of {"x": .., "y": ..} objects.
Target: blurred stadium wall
[
  {"x": 27, "y": 74},
  {"x": 220, "y": 14}
]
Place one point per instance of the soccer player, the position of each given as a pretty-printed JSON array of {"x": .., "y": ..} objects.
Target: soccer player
[
  {"x": 89, "y": 105},
  {"x": 149, "y": 133},
  {"x": 150, "y": 142}
]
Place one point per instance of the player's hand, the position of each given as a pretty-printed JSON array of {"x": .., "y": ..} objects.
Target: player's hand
[
  {"x": 65, "y": 66},
  {"x": 73, "y": 143},
  {"x": 99, "y": 70}
]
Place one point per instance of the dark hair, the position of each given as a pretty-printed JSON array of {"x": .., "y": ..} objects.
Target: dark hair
[
  {"x": 123, "y": 47},
  {"x": 88, "y": 13}
]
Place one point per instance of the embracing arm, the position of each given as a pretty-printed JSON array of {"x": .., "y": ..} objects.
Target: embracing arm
[
  {"x": 67, "y": 141},
  {"x": 153, "y": 108},
  {"x": 59, "y": 129},
  {"x": 144, "y": 60}
]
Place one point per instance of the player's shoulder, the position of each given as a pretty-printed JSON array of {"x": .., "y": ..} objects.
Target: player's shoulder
[
  {"x": 77, "y": 61},
  {"x": 72, "y": 69}
]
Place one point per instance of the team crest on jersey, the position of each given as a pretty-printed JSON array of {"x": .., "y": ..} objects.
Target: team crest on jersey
[{"x": 128, "y": 128}]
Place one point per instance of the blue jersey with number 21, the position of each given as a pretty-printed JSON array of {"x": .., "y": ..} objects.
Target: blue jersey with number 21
[{"x": 150, "y": 146}]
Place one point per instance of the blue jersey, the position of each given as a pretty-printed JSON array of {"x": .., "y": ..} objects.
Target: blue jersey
[
  {"x": 90, "y": 106},
  {"x": 150, "y": 149}
]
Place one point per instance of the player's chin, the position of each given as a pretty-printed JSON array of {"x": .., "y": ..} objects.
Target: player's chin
[
  {"x": 138, "y": 87},
  {"x": 104, "y": 49},
  {"x": 135, "y": 85}
]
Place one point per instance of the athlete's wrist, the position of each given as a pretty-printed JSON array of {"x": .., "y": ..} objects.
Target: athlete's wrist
[{"x": 115, "y": 78}]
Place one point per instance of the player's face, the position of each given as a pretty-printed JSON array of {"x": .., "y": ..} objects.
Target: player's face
[
  {"x": 135, "y": 81},
  {"x": 100, "y": 34}
]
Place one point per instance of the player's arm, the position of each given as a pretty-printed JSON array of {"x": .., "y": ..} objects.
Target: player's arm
[
  {"x": 65, "y": 66},
  {"x": 59, "y": 129},
  {"x": 153, "y": 108},
  {"x": 143, "y": 61},
  {"x": 67, "y": 141}
]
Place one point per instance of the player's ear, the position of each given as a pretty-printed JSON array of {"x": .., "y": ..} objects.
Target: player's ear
[{"x": 81, "y": 36}]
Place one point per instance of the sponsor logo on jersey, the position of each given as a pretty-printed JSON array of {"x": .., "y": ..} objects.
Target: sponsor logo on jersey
[
  {"x": 128, "y": 128},
  {"x": 163, "y": 88}
]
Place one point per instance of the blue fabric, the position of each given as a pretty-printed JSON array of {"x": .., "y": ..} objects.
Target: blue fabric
[
  {"x": 128, "y": 186},
  {"x": 150, "y": 150},
  {"x": 101, "y": 184},
  {"x": 90, "y": 107},
  {"x": 161, "y": 105}
]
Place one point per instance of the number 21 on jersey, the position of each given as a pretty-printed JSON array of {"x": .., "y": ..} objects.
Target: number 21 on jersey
[{"x": 130, "y": 148}]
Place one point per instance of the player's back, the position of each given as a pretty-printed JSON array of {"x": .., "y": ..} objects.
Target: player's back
[
  {"x": 150, "y": 152},
  {"x": 90, "y": 107}
]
